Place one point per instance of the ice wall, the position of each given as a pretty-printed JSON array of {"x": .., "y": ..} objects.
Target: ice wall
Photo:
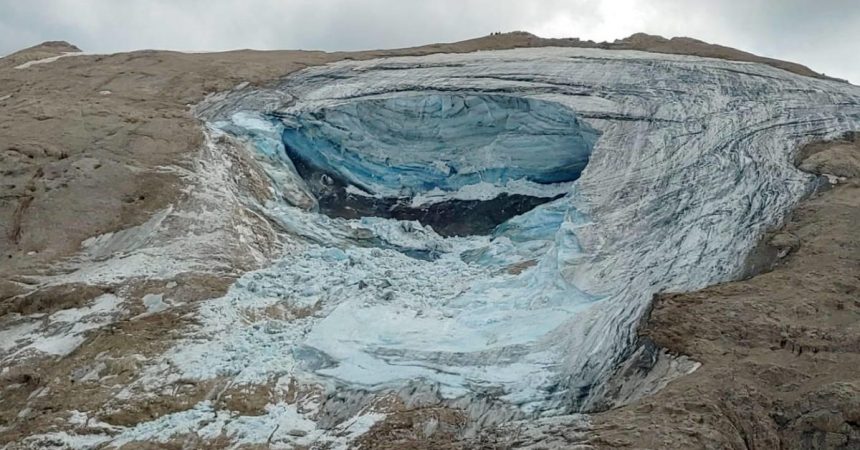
[{"x": 410, "y": 144}]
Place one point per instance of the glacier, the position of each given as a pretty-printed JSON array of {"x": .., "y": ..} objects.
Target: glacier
[{"x": 495, "y": 224}]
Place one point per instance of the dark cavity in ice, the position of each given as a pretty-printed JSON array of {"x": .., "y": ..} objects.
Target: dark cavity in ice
[{"x": 373, "y": 157}]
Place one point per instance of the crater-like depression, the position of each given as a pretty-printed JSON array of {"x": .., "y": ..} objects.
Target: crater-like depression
[
  {"x": 459, "y": 163},
  {"x": 432, "y": 226}
]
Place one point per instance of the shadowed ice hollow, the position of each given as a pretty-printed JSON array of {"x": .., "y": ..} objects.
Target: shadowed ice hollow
[{"x": 451, "y": 161}]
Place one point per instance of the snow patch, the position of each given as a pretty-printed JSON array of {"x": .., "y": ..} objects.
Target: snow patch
[
  {"x": 154, "y": 303},
  {"x": 60, "y": 333},
  {"x": 50, "y": 59},
  {"x": 281, "y": 426}
]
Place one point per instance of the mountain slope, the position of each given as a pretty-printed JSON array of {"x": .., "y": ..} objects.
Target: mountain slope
[{"x": 201, "y": 271}]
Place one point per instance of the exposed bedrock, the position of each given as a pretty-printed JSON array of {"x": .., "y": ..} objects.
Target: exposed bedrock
[{"x": 558, "y": 191}]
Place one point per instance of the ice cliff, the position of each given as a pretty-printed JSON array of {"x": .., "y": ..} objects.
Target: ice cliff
[{"x": 495, "y": 224}]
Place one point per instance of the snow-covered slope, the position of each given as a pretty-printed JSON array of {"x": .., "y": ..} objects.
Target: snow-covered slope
[{"x": 623, "y": 174}]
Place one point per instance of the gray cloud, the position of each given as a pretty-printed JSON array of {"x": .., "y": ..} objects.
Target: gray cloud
[{"x": 822, "y": 34}]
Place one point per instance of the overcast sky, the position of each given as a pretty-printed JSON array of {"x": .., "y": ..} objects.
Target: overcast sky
[{"x": 823, "y": 34}]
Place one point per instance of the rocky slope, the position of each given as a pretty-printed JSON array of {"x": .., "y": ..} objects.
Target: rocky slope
[{"x": 128, "y": 222}]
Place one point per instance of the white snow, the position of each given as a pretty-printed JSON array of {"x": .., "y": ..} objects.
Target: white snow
[
  {"x": 61, "y": 332},
  {"x": 11, "y": 336},
  {"x": 281, "y": 426},
  {"x": 50, "y": 59},
  {"x": 487, "y": 191},
  {"x": 62, "y": 439},
  {"x": 154, "y": 303}
]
